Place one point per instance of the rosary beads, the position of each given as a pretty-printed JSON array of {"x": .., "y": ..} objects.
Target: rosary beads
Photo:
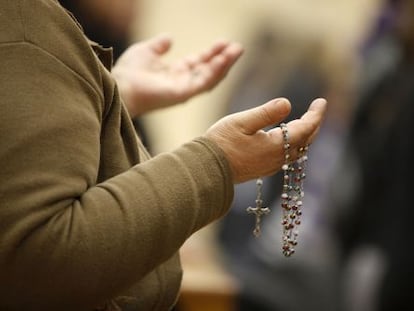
[
  {"x": 292, "y": 194},
  {"x": 291, "y": 198}
]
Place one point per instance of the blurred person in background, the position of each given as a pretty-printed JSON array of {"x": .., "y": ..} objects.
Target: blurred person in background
[
  {"x": 296, "y": 67},
  {"x": 374, "y": 187},
  {"x": 367, "y": 237},
  {"x": 107, "y": 22}
]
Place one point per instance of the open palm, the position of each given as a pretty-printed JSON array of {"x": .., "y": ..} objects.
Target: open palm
[{"x": 146, "y": 82}]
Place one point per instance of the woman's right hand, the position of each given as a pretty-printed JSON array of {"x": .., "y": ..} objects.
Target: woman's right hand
[{"x": 253, "y": 152}]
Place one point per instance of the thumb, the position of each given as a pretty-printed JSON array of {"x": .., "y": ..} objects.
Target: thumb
[
  {"x": 270, "y": 113},
  {"x": 160, "y": 44}
]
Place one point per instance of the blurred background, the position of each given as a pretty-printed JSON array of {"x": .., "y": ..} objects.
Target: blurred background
[
  {"x": 337, "y": 26},
  {"x": 354, "y": 244}
]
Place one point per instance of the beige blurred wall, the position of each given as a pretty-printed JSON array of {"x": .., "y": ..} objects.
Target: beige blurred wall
[{"x": 195, "y": 24}]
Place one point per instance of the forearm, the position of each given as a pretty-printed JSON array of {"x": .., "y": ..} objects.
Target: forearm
[
  {"x": 68, "y": 236},
  {"x": 119, "y": 230}
]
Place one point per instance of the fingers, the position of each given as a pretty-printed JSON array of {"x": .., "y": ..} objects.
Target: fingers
[
  {"x": 318, "y": 106},
  {"x": 202, "y": 58},
  {"x": 252, "y": 120},
  {"x": 229, "y": 51},
  {"x": 216, "y": 49},
  {"x": 224, "y": 61},
  {"x": 160, "y": 44},
  {"x": 252, "y": 152},
  {"x": 302, "y": 131},
  {"x": 209, "y": 68},
  {"x": 316, "y": 110},
  {"x": 314, "y": 117},
  {"x": 223, "y": 57},
  {"x": 221, "y": 53},
  {"x": 221, "y": 63}
]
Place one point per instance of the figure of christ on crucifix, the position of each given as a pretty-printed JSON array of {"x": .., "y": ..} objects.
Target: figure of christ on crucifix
[{"x": 259, "y": 210}]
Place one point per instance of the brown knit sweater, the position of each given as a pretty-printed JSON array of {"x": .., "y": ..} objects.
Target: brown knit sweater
[{"x": 86, "y": 218}]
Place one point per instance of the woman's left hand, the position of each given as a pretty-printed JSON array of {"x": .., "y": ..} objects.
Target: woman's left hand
[{"x": 146, "y": 82}]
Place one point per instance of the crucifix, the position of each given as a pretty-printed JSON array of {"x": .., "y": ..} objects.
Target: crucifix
[{"x": 258, "y": 211}]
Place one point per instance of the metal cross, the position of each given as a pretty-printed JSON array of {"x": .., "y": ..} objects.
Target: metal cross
[{"x": 259, "y": 211}]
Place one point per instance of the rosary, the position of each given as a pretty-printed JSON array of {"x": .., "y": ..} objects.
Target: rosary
[{"x": 291, "y": 198}]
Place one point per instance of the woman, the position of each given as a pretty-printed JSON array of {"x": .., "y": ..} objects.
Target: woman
[{"x": 87, "y": 220}]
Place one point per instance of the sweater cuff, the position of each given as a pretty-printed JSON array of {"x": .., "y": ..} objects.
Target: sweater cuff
[{"x": 228, "y": 185}]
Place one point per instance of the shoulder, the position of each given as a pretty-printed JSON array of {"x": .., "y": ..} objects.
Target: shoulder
[{"x": 47, "y": 26}]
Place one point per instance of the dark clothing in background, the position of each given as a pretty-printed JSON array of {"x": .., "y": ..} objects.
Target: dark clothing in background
[
  {"x": 382, "y": 212},
  {"x": 98, "y": 31}
]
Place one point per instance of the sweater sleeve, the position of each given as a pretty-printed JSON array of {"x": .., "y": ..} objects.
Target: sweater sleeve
[{"x": 66, "y": 241}]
